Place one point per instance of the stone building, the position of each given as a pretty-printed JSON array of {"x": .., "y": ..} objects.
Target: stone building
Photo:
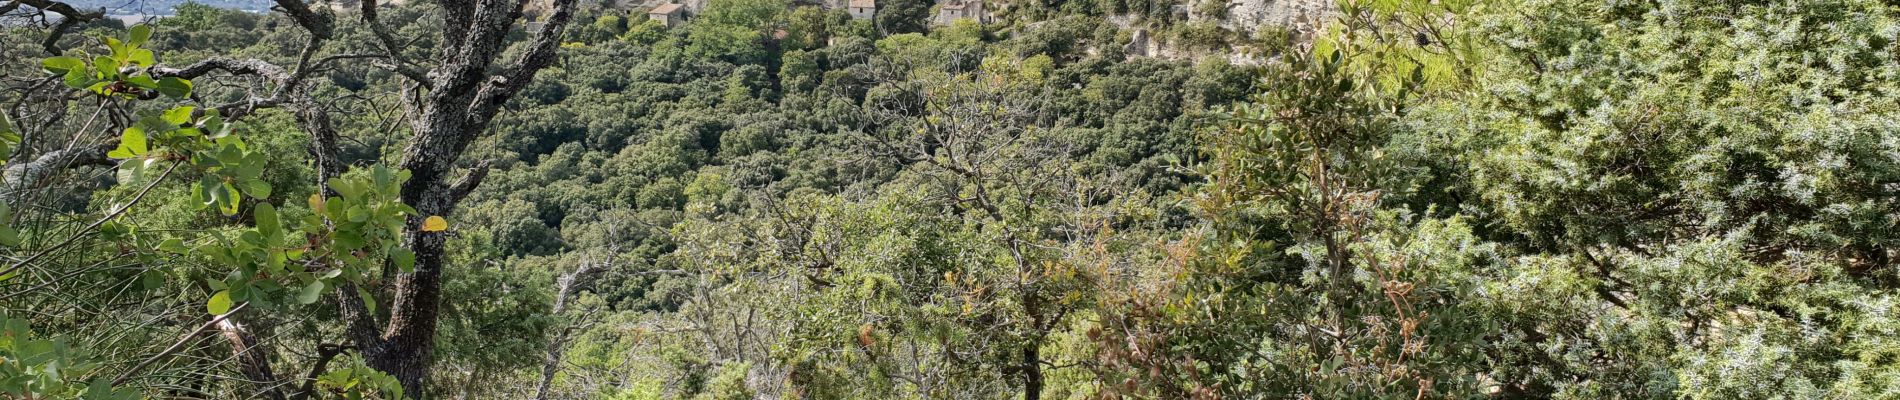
[
  {"x": 954, "y": 10},
  {"x": 862, "y": 9},
  {"x": 670, "y": 14}
]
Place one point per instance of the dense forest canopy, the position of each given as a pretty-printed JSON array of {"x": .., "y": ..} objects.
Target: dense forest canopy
[{"x": 1080, "y": 199}]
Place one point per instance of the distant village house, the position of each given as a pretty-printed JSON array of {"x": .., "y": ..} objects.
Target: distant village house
[
  {"x": 954, "y": 10},
  {"x": 670, "y": 14},
  {"x": 863, "y": 9}
]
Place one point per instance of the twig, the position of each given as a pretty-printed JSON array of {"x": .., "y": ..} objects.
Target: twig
[
  {"x": 95, "y": 224},
  {"x": 176, "y": 346}
]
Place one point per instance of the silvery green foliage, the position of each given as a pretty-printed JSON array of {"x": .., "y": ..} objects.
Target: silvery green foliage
[{"x": 1720, "y": 174}]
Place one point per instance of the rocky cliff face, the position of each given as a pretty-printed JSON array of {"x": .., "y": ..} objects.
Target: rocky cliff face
[
  {"x": 1248, "y": 16},
  {"x": 1245, "y": 17},
  {"x": 1144, "y": 44}
]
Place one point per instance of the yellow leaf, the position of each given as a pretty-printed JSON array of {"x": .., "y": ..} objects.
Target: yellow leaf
[
  {"x": 316, "y": 202},
  {"x": 435, "y": 223}
]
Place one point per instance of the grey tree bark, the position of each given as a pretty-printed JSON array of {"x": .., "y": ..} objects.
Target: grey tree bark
[
  {"x": 451, "y": 105},
  {"x": 461, "y": 99},
  {"x": 564, "y": 290}
]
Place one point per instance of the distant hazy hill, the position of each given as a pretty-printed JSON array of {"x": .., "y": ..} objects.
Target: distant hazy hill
[{"x": 164, "y": 7}]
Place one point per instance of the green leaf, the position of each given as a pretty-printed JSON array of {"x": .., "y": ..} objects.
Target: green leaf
[
  {"x": 154, "y": 123},
  {"x": 228, "y": 199},
  {"x": 134, "y": 171},
  {"x": 63, "y": 65},
  {"x": 8, "y": 138},
  {"x": 131, "y": 144},
  {"x": 349, "y": 188},
  {"x": 101, "y": 389},
  {"x": 174, "y": 87},
  {"x": 267, "y": 222},
  {"x": 220, "y": 303},
  {"x": 138, "y": 34},
  {"x": 143, "y": 82},
  {"x": 214, "y": 125},
  {"x": 310, "y": 293},
  {"x": 249, "y": 241},
  {"x": 275, "y": 259},
  {"x": 142, "y": 57},
  {"x": 347, "y": 240},
  {"x": 152, "y": 279},
  {"x": 118, "y": 48},
  {"x": 369, "y": 302},
  {"x": 9, "y": 237},
  {"x": 107, "y": 67},
  {"x": 381, "y": 177},
  {"x": 179, "y": 116},
  {"x": 251, "y": 166},
  {"x": 405, "y": 259},
  {"x": 79, "y": 79},
  {"x": 358, "y": 214},
  {"x": 231, "y": 155},
  {"x": 173, "y": 245},
  {"x": 257, "y": 188},
  {"x": 204, "y": 193}
]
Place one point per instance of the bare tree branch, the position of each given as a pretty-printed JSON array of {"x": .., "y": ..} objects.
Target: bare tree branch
[
  {"x": 69, "y": 17},
  {"x": 399, "y": 64},
  {"x": 320, "y": 26},
  {"x": 540, "y": 55},
  {"x": 253, "y": 357},
  {"x": 463, "y": 187},
  {"x": 19, "y": 178},
  {"x": 325, "y": 353},
  {"x": 564, "y": 288},
  {"x": 176, "y": 346},
  {"x": 230, "y": 65}
]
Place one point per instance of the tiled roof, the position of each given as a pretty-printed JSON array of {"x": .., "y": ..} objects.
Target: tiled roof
[
  {"x": 863, "y": 3},
  {"x": 665, "y": 9}
]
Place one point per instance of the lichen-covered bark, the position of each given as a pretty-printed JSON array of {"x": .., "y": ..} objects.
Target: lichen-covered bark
[
  {"x": 253, "y": 358},
  {"x": 463, "y": 99},
  {"x": 20, "y": 179}
]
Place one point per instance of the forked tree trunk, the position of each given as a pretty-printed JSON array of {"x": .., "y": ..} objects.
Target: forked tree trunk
[
  {"x": 452, "y": 105},
  {"x": 462, "y": 97}
]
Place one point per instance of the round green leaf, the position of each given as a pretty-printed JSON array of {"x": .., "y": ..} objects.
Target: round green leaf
[
  {"x": 138, "y": 34},
  {"x": 267, "y": 222},
  {"x": 257, "y": 188},
  {"x": 310, "y": 293},
  {"x": 61, "y": 65},
  {"x": 131, "y": 144},
  {"x": 174, "y": 87},
  {"x": 220, "y": 303}
]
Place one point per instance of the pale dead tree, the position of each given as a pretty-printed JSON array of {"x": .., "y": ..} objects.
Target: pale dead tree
[
  {"x": 982, "y": 140},
  {"x": 450, "y": 101},
  {"x": 565, "y": 288}
]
